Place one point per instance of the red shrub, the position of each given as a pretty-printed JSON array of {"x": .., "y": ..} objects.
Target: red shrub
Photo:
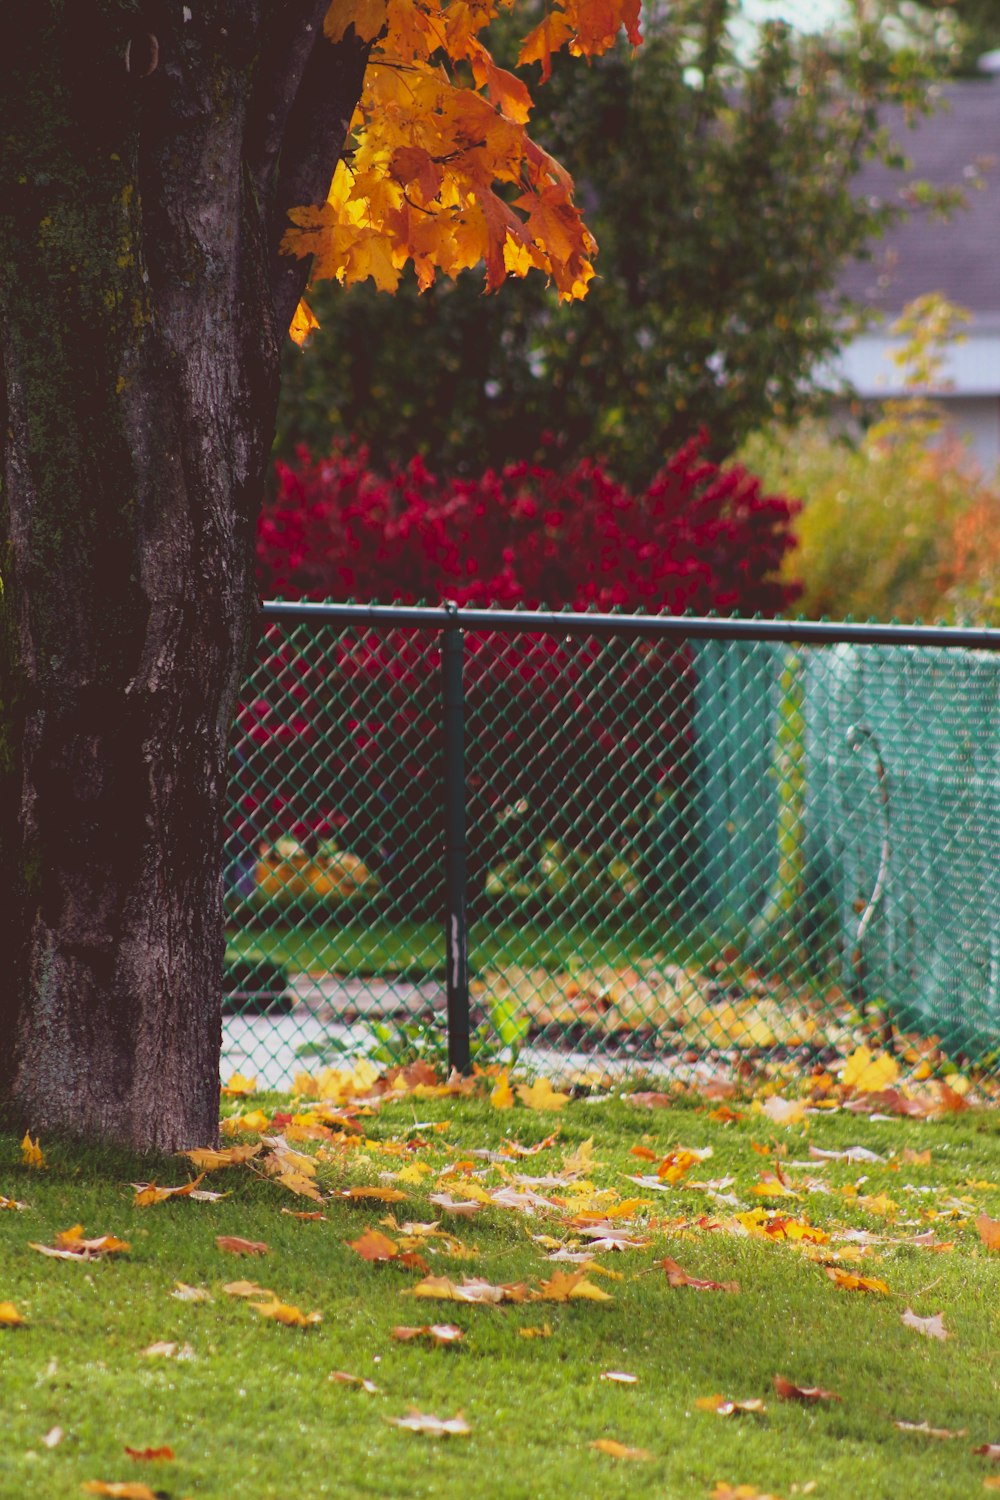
[
  {"x": 700, "y": 538},
  {"x": 576, "y": 741}
]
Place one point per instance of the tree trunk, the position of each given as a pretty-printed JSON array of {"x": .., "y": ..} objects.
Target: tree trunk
[{"x": 142, "y": 300}]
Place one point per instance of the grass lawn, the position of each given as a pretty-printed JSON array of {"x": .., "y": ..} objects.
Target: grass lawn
[
  {"x": 416, "y": 949},
  {"x": 254, "y": 1413}
]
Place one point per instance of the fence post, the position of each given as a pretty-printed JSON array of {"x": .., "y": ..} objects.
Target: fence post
[{"x": 456, "y": 917}]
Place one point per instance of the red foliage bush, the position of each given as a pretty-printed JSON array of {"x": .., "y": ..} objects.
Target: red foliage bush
[
  {"x": 700, "y": 538},
  {"x": 574, "y": 741}
]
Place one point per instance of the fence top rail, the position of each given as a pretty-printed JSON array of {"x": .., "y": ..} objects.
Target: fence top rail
[{"x": 668, "y": 627}]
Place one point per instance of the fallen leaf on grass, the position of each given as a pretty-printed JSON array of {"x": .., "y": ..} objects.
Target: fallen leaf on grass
[
  {"x": 70, "y": 1245},
  {"x": 619, "y": 1377},
  {"x": 615, "y": 1449},
  {"x": 565, "y": 1287},
  {"x": 724, "y": 1491},
  {"x": 724, "y": 1407},
  {"x": 785, "y": 1390},
  {"x": 165, "y": 1350},
  {"x": 539, "y": 1331},
  {"x": 461, "y": 1206},
  {"x": 374, "y": 1246},
  {"x": 127, "y": 1491},
  {"x": 852, "y": 1283},
  {"x": 989, "y": 1231},
  {"x": 502, "y": 1095},
  {"x": 147, "y": 1193},
  {"x": 287, "y": 1313},
  {"x": 541, "y": 1095},
  {"x": 933, "y": 1327},
  {"x": 239, "y": 1087},
  {"x": 784, "y": 1111},
  {"x": 246, "y": 1289},
  {"x": 341, "y": 1377},
  {"x": 438, "y": 1333},
  {"x": 676, "y": 1276},
  {"x": 431, "y": 1426},
  {"x": 185, "y": 1293},
  {"x": 869, "y": 1073},
  {"x": 53, "y": 1437},
  {"x": 302, "y": 1213},
  {"x": 991, "y": 1482},
  {"x": 470, "y": 1290},
  {"x": 926, "y": 1430},
  {"x": 9, "y": 1316},
  {"x": 988, "y": 1450},
  {"x": 236, "y": 1246},
  {"x": 11, "y": 1203},
  {"x": 374, "y": 1194},
  {"x": 31, "y": 1153},
  {"x": 208, "y": 1160},
  {"x": 916, "y": 1158},
  {"x": 150, "y": 1455}
]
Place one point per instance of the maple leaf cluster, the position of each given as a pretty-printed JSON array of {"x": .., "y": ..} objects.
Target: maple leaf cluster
[{"x": 442, "y": 171}]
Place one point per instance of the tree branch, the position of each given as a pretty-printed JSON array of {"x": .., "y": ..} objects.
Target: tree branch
[{"x": 317, "y": 119}]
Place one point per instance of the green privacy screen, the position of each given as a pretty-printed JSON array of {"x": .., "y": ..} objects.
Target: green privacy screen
[{"x": 612, "y": 846}]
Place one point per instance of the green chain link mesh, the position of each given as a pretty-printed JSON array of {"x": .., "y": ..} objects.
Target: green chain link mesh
[{"x": 683, "y": 861}]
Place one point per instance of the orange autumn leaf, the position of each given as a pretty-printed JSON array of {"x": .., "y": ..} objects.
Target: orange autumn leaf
[
  {"x": 785, "y": 1390},
  {"x": 437, "y": 1333},
  {"x": 303, "y": 322},
  {"x": 234, "y": 1245},
  {"x": 9, "y": 1316},
  {"x": 614, "y": 1449},
  {"x": 287, "y": 1313},
  {"x": 724, "y": 1491},
  {"x": 70, "y": 1245},
  {"x": 989, "y": 1231},
  {"x": 123, "y": 1491},
  {"x": 148, "y": 1193},
  {"x": 311, "y": 1215},
  {"x": 150, "y": 1455},
  {"x": 677, "y": 1277},
  {"x": 374, "y": 1246},
  {"x": 852, "y": 1283},
  {"x": 12, "y": 1203}
]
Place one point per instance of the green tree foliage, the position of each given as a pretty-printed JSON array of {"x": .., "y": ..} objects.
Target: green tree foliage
[{"x": 723, "y": 214}]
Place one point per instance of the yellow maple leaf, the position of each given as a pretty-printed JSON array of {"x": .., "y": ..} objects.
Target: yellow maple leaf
[
  {"x": 209, "y": 1160},
  {"x": 238, "y": 1087},
  {"x": 303, "y": 322},
  {"x": 31, "y": 1152},
  {"x": 566, "y": 1287},
  {"x": 9, "y": 1316},
  {"x": 868, "y": 1073},
  {"x": 150, "y": 1193},
  {"x": 541, "y": 1095},
  {"x": 502, "y": 1095},
  {"x": 852, "y": 1283}
]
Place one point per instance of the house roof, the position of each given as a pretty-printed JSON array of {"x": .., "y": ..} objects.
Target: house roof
[{"x": 958, "y": 145}]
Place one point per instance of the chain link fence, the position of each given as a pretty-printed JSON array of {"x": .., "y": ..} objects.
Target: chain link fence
[{"x": 612, "y": 845}]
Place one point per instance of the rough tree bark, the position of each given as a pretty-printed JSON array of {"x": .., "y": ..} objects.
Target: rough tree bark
[{"x": 148, "y": 155}]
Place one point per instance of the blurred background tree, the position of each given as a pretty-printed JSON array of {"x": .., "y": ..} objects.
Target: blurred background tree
[{"x": 725, "y": 212}]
